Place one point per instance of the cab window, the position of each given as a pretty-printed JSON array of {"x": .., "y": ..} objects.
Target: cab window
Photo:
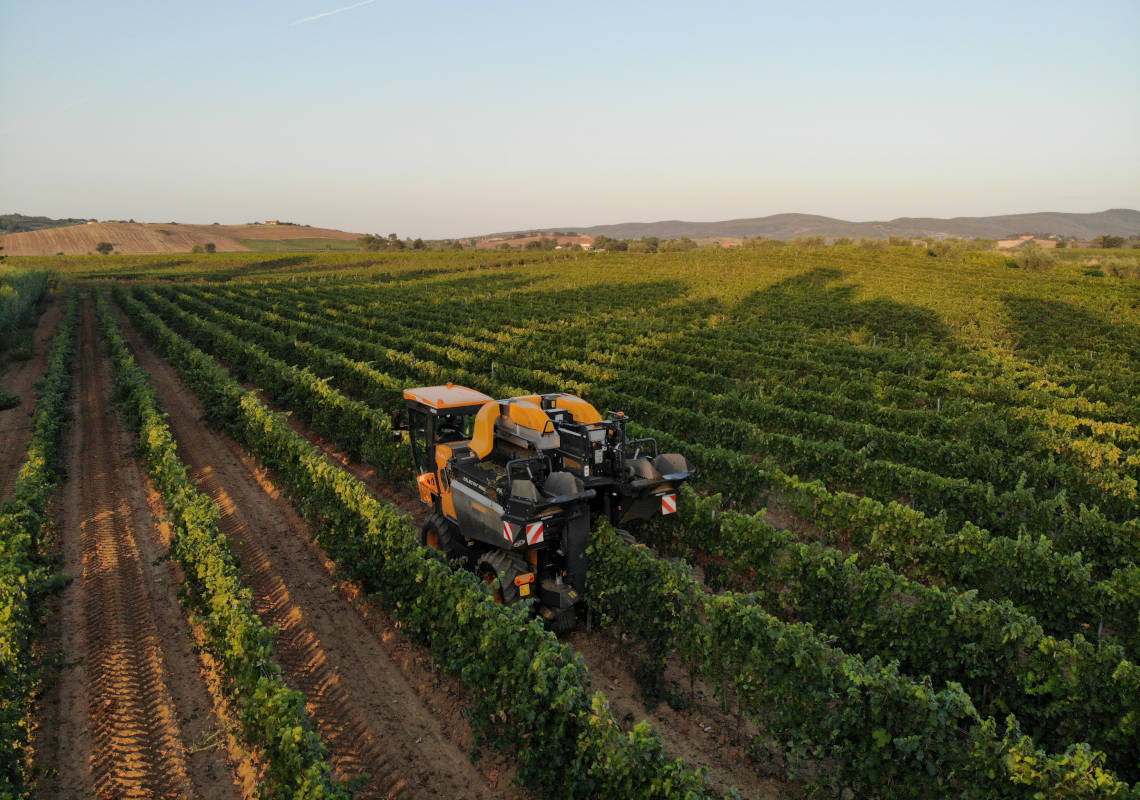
[
  {"x": 418, "y": 436},
  {"x": 454, "y": 427}
]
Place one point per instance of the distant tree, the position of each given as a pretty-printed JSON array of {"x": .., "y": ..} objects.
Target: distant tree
[
  {"x": 197, "y": 249},
  {"x": 418, "y": 244},
  {"x": 760, "y": 241},
  {"x": 1062, "y": 244},
  {"x": 1108, "y": 242},
  {"x": 947, "y": 248},
  {"x": 376, "y": 242},
  {"x": 873, "y": 244},
  {"x": 842, "y": 240},
  {"x": 638, "y": 247},
  {"x": 506, "y": 246},
  {"x": 533, "y": 244},
  {"x": 457, "y": 245},
  {"x": 211, "y": 247},
  {"x": 899, "y": 241},
  {"x": 1035, "y": 257},
  {"x": 104, "y": 247},
  {"x": 677, "y": 245},
  {"x": 809, "y": 241}
]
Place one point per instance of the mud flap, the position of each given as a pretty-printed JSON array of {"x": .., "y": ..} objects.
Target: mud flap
[{"x": 577, "y": 536}]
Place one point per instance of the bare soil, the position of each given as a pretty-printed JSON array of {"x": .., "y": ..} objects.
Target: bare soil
[
  {"x": 375, "y": 698},
  {"x": 154, "y": 237},
  {"x": 129, "y": 714},
  {"x": 20, "y": 377},
  {"x": 697, "y": 730}
]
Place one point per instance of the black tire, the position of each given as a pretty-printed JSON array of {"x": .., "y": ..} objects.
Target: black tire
[
  {"x": 439, "y": 533},
  {"x": 498, "y": 569},
  {"x": 626, "y": 537},
  {"x": 563, "y": 622}
]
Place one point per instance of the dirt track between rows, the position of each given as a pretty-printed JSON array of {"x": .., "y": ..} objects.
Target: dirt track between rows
[
  {"x": 129, "y": 715},
  {"x": 20, "y": 377},
  {"x": 375, "y": 699}
]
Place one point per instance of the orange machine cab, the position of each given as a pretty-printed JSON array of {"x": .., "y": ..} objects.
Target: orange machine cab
[{"x": 438, "y": 415}]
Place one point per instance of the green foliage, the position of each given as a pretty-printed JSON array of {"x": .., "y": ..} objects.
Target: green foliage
[
  {"x": 8, "y": 399},
  {"x": 1108, "y": 241},
  {"x": 948, "y": 248},
  {"x": 26, "y": 571},
  {"x": 17, "y": 223},
  {"x": 1033, "y": 256},
  {"x": 300, "y": 245},
  {"x": 273, "y": 716},
  {"x": 310, "y": 267},
  {"x": 104, "y": 248},
  {"x": 808, "y": 241},
  {"x": 1062, "y": 689},
  {"x": 952, "y": 443},
  {"x": 878, "y": 730},
  {"x": 376, "y": 242},
  {"x": 760, "y": 241},
  {"x": 677, "y": 245},
  {"x": 536, "y": 701},
  {"x": 22, "y": 293}
]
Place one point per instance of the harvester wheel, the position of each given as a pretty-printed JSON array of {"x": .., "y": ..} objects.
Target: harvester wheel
[
  {"x": 499, "y": 570},
  {"x": 626, "y": 536},
  {"x": 564, "y": 621},
  {"x": 439, "y": 533}
]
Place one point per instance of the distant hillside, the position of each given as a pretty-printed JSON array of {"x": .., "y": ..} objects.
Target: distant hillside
[
  {"x": 17, "y": 223},
  {"x": 157, "y": 237},
  {"x": 1117, "y": 222}
]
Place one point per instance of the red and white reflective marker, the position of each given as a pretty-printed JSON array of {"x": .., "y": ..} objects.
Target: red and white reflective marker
[
  {"x": 668, "y": 504},
  {"x": 533, "y": 533},
  {"x": 508, "y": 532}
]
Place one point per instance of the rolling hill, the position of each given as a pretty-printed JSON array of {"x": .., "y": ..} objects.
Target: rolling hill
[
  {"x": 1117, "y": 221},
  {"x": 156, "y": 237}
]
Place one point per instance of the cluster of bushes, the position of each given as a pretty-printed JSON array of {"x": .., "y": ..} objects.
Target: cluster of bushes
[
  {"x": 22, "y": 293},
  {"x": 646, "y": 244}
]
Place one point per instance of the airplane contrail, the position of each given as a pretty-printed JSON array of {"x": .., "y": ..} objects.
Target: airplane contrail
[{"x": 334, "y": 11}]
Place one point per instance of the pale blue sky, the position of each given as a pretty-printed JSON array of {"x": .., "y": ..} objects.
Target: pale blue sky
[{"x": 444, "y": 118}]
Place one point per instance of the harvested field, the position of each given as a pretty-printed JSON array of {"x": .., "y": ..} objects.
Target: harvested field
[{"x": 155, "y": 237}]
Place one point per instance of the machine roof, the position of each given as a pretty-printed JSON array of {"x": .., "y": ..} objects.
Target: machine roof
[{"x": 449, "y": 396}]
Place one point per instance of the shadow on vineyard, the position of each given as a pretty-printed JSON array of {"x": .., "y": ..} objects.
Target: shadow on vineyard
[
  {"x": 246, "y": 270},
  {"x": 1053, "y": 332},
  {"x": 812, "y": 302}
]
